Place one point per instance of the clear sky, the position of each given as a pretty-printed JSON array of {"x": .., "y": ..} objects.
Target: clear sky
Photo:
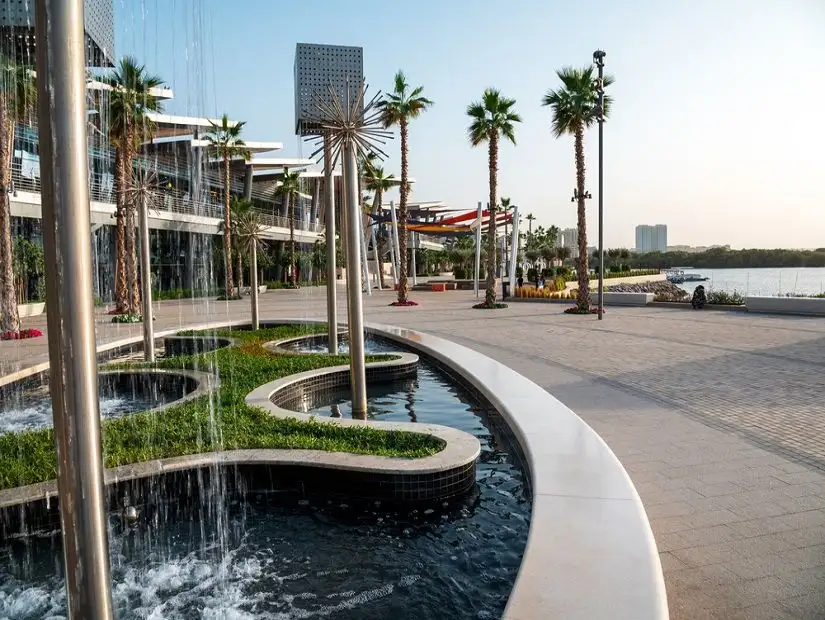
[{"x": 716, "y": 130}]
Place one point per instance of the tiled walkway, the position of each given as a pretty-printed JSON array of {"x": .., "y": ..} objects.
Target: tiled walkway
[{"x": 717, "y": 416}]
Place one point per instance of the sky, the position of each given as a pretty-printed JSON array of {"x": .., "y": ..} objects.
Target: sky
[{"x": 716, "y": 129}]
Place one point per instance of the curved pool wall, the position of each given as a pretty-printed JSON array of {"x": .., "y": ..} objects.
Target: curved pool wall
[
  {"x": 590, "y": 552},
  {"x": 26, "y": 405}
]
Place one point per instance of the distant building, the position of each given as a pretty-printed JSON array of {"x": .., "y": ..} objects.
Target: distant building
[
  {"x": 569, "y": 238},
  {"x": 651, "y": 238},
  {"x": 17, "y": 25},
  {"x": 692, "y": 249}
]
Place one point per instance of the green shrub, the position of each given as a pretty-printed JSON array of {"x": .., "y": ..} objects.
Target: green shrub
[{"x": 723, "y": 298}]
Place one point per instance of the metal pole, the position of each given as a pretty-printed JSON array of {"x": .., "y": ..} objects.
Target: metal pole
[
  {"x": 253, "y": 285},
  {"x": 395, "y": 247},
  {"x": 477, "y": 271},
  {"x": 412, "y": 258},
  {"x": 599, "y": 57},
  {"x": 146, "y": 273},
  {"x": 513, "y": 250},
  {"x": 358, "y": 375},
  {"x": 61, "y": 87},
  {"x": 377, "y": 256},
  {"x": 329, "y": 207},
  {"x": 365, "y": 266}
]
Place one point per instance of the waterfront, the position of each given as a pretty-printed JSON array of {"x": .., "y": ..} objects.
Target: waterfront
[{"x": 763, "y": 281}]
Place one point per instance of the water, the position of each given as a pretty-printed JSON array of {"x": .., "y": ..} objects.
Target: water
[
  {"x": 764, "y": 281},
  {"x": 38, "y": 414},
  {"x": 280, "y": 555}
]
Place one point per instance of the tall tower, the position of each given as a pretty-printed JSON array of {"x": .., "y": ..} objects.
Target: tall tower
[{"x": 17, "y": 31}]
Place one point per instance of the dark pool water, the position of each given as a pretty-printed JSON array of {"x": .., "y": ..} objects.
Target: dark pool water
[
  {"x": 119, "y": 395},
  {"x": 283, "y": 556}
]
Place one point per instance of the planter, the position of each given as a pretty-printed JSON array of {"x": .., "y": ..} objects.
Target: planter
[
  {"x": 27, "y": 310},
  {"x": 685, "y": 305},
  {"x": 805, "y": 306}
]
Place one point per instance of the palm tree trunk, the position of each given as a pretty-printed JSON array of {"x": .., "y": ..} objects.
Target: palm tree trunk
[
  {"x": 121, "y": 301},
  {"x": 133, "y": 292},
  {"x": 291, "y": 215},
  {"x": 9, "y": 316},
  {"x": 227, "y": 228},
  {"x": 583, "y": 272},
  {"x": 239, "y": 269},
  {"x": 490, "y": 293},
  {"x": 402, "y": 217}
]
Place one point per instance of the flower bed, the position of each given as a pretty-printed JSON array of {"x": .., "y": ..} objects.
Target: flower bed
[
  {"x": 21, "y": 335},
  {"x": 402, "y": 304}
]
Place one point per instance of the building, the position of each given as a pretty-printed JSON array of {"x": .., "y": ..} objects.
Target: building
[
  {"x": 651, "y": 238},
  {"x": 694, "y": 249},
  {"x": 17, "y": 28},
  {"x": 569, "y": 238}
]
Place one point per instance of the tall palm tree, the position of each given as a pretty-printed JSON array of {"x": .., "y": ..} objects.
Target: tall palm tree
[
  {"x": 18, "y": 96},
  {"x": 492, "y": 118},
  {"x": 378, "y": 182},
  {"x": 237, "y": 208},
  {"x": 530, "y": 218},
  {"x": 225, "y": 142},
  {"x": 130, "y": 99},
  {"x": 575, "y": 107},
  {"x": 288, "y": 190},
  {"x": 399, "y": 107},
  {"x": 249, "y": 232}
]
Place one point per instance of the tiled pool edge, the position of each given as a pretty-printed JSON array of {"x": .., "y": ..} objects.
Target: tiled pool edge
[{"x": 590, "y": 552}]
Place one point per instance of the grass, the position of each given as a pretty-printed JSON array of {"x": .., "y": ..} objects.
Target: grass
[{"x": 221, "y": 421}]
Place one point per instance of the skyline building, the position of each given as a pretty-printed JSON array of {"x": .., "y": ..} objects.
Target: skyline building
[{"x": 651, "y": 238}]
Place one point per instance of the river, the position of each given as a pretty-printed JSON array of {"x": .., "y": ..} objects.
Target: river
[{"x": 763, "y": 281}]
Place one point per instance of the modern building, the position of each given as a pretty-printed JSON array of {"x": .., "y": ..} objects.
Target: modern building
[
  {"x": 569, "y": 238},
  {"x": 651, "y": 238},
  {"x": 17, "y": 31}
]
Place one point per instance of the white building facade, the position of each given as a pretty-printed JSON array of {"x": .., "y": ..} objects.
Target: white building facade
[{"x": 651, "y": 238}]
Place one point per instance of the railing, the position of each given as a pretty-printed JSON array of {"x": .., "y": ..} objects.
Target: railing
[{"x": 170, "y": 201}]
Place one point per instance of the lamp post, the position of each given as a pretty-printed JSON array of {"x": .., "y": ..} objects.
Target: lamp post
[{"x": 598, "y": 59}]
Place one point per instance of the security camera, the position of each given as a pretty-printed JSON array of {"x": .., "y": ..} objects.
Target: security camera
[{"x": 599, "y": 55}]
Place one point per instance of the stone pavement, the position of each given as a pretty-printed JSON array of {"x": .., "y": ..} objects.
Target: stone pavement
[{"x": 717, "y": 417}]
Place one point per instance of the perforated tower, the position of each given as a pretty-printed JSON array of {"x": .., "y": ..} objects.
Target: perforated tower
[
  {"x": 17, "y": 29},
  {"x": 316, "y": 66}
]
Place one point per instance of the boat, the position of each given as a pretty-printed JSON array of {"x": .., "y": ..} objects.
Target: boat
[{"x": 679, "y": 276}]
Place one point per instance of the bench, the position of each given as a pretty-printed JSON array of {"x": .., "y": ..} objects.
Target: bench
[
  {"x": 809, "y": 306},
  {"x": 439, "y": 287}
]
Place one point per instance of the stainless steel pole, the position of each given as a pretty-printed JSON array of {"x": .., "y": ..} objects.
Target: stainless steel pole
[
  {"x": 61, "y": 87},
  {"x": 365, "y": 266},
  {"x": 513, "y": 255},
  {"x": 377, "y": 256},
  {"x": 146, "y": 284},
  {"x": 253, "y": 285},
  {"x": 477, "y": 271},
  {"x": 600, "y": 65},
  {"x": 413, "y": 267},
  {"x": 355, "y": 309},
  {"x": 329, "y": 206}
]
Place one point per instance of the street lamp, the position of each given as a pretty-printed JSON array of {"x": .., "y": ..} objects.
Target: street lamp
[{"x": 598, "y": 60}]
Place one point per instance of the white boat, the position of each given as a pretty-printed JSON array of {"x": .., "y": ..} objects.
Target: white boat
[{"x": 678, "y": 276}]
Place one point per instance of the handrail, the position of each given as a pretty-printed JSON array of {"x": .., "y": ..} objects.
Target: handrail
[{"x": 169, "y": 201}]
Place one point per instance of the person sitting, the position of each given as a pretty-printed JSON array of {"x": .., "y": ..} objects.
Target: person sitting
[{"x": 699, "y": 298}]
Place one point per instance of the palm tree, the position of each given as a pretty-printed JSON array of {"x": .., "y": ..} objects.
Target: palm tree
[
  {"x": 130, "y": 99},
  {"x": 530, "y": 217},
  {"x": 288, "y": 190},
  {"x": 575, "y": 108},
  {"x": 378, "y": 182},
  {"x": 237, "y": 208},
  {"x": 17, "y": 99},
  {"x": 225, "y": 142},
  {"x": 563, "y": 253},
  {"x": 249, "y": 232},
  {"x": 492, "y": 118},
  {"x": 400, "y": 106}
]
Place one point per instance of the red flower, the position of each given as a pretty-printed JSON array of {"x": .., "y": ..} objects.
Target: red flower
[{"x": 21, "y": 335}]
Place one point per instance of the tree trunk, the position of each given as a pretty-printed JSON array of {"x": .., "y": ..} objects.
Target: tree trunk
[
  {"x": 402, "y": 217},
  {"x": 9, "y": 316},
  {"x": 121, "y": 297},
  {"x": 490, "y": 293},
  {"x": 583, "y": 272},
  {"x": 238, "y": 269},
  {"x": 133, "y": 292},
  {"x": 227, "y": 229},
  {"x": 290, "y": 201}
]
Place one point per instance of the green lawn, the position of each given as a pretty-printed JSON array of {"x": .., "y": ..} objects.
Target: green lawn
[{"x": 221, "y": 421}]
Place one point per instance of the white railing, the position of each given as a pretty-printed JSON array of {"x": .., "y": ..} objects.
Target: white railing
[{"x": 172, "y": 202}]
